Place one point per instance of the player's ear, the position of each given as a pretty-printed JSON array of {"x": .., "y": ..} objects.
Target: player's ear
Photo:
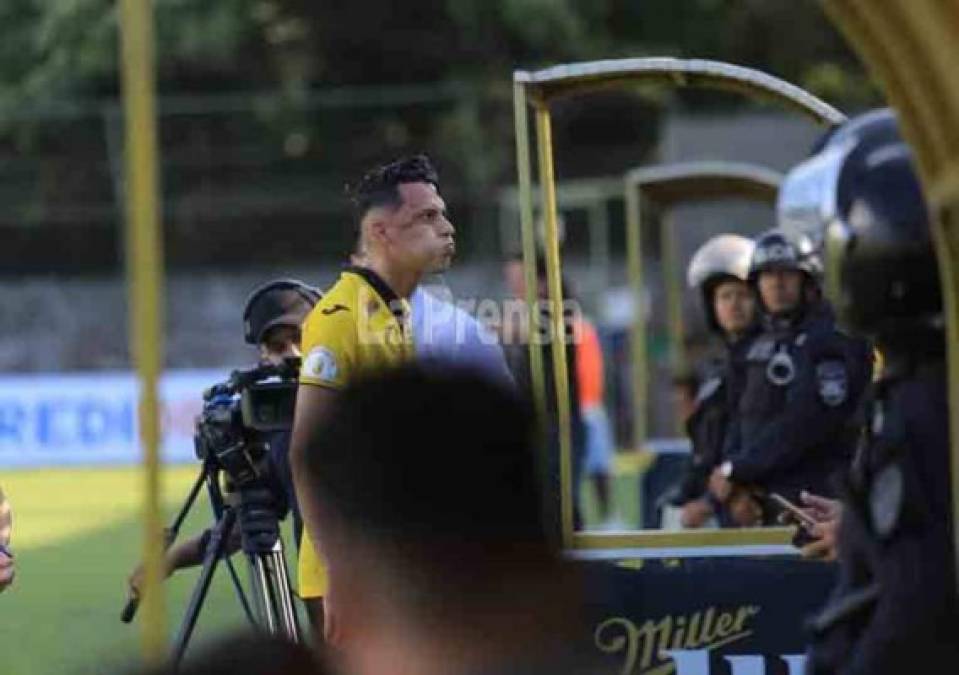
[{"x": 376, "y": 227}]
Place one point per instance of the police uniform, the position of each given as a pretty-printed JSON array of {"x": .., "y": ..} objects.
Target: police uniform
[
  {"x": 894, "y": 609},
  {"x": 894, "y": 606},
  {"x": 360, "y": 326},
  {"x": 707, "y": 426},
  {"x": 721, "y": 259},
  {"x": 795, "y": 426}
]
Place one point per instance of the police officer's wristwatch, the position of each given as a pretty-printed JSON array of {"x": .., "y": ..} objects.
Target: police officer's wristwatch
[{"x": 726, "y": 469}]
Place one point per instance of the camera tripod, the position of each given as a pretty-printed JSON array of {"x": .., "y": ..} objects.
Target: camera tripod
[{"x": 252, "y": 508}]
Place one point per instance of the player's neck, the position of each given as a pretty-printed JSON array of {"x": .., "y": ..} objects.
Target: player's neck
[{"x": 403, "y": 282}]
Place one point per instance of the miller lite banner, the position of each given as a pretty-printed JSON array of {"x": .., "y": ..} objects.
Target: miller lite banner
[{"x": 705, "y": 616}]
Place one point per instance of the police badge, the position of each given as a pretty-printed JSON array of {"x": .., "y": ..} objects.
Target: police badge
[
  {"x": 781, "y": 369},
  {"x": 833, "y": 383}
]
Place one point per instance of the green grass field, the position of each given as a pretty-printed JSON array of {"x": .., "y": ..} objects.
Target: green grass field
[{"x": 77, "y": 535}]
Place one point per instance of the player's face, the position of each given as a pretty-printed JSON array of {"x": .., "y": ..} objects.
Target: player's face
[
  {"x": 279, "y": 343},
  {"x": 734, "y": 305},
  {"x": 419, "y": 235},
  {"x": 781, "y": 290}
]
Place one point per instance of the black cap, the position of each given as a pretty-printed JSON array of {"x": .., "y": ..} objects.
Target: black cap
[{"x": 284, "y": 302}]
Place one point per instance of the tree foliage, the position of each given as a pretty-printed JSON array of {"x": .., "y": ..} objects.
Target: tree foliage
[
  {"x": 59, "y": 85},
  {"x": 59, "y": 48}
]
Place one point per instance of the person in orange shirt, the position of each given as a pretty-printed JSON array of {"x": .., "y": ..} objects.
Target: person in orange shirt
[{"x": 599, "y": 437}]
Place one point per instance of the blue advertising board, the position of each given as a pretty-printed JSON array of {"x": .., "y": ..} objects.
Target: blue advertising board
[{"x": 90, "y": 418}]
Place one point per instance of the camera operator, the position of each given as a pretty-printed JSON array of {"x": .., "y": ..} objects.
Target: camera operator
[
  {"x": 271, "y": 322},
  {"x": 6, "y": 558}
]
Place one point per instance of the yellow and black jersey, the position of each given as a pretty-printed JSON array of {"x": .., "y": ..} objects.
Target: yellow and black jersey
[{"x": 360, "y": 326}]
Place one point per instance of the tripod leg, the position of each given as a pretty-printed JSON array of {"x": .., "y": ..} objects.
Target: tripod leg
[
  {"x": 238, "y": 587},
  {"x": 169, "y": 536},
  {"x": 271, "y": 586},
  {"x": 214, "y": 552}
]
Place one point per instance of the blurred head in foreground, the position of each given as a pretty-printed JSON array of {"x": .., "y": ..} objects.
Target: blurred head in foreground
[
  {"x": 425, "y": 502},
  {"x": 247, "y": 654}
]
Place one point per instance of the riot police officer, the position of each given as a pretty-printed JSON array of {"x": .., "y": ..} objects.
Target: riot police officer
[
  {"x": 794, "y": 428},
  {"x": 895, "y": 605},
  {"x": 718, "y": 271}
]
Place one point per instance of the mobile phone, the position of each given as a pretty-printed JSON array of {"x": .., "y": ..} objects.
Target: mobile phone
[{"x": 804, "y": 518}]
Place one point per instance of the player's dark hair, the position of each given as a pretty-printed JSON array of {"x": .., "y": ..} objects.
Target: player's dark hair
[{"x": 380, "y": 186}]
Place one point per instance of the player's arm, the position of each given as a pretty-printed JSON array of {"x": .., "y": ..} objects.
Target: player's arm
[
  {"x": 329, "y": 348},
  {"x": 329, "y": 354},
  {"x": 312, "y": 403}
]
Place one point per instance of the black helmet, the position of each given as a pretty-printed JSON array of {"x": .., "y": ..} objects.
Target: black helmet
[
  {"x": 817, "y": 190},
  {"x": 882, "y": 271},
  {"x": 723, "y": 257},
  {"x": 780, "y": 249}
]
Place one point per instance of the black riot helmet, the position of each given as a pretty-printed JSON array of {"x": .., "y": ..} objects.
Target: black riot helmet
[
  {"x": 722, "y": 258},
  {"x": 868, "y": 207},
  {"x": 817, "y": 190},
  {"x": 780, "y": 249}
]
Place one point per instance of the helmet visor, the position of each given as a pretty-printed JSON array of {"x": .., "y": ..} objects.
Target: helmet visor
[{"x": 808, "y": 198}]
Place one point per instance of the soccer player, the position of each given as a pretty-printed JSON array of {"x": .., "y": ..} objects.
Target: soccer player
[{"x": 362, "y": 325}]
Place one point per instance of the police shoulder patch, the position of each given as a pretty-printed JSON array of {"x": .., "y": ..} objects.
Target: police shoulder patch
[
  {"x": 832, "y": 382},
  {"x": 321, "y": 364}
]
